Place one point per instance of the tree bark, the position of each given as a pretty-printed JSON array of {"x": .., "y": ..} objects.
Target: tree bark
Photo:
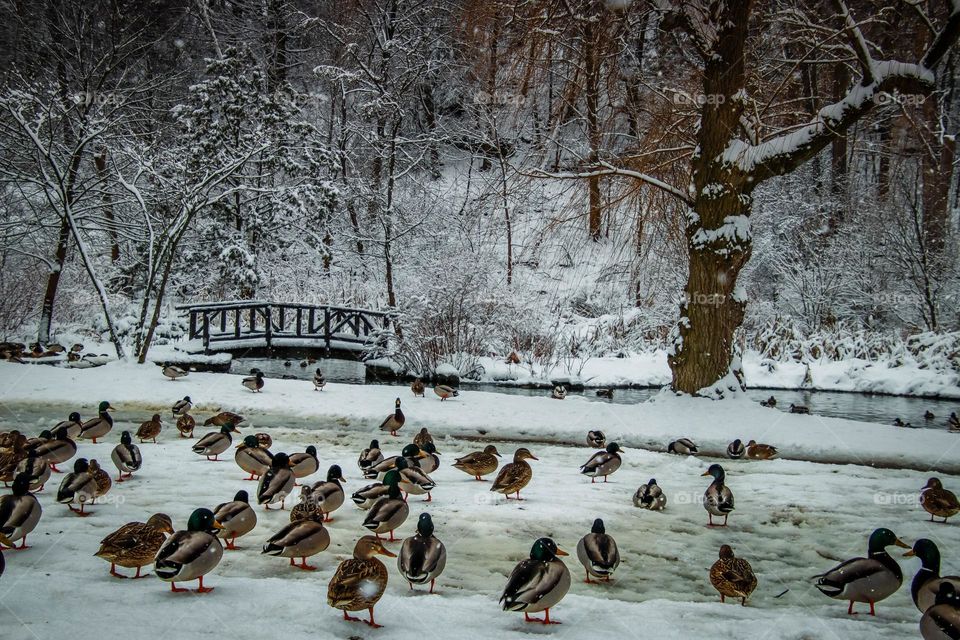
[{"x": 53, "y": 283}]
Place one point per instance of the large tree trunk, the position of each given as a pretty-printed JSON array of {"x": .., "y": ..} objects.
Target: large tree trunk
[
  {"x": 591, "y": 59},
  {"x": 53, "y": 283}
]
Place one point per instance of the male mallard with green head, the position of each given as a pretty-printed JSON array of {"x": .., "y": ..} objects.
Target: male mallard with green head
[
  {"x": 99, "y": 426},
  {"x": 237, "y": 518},
  {"x": 172, "y": 371},
  {"x": 305, "y": 463},
  {"x": 79, "y": 486},
  {"x": 869, "y": 579},
  {"x": 393, "y": 422},
  {"x": 445, "y": 391},
  {"x": 20, "y": 512},
  {"x": 252, "y": 458},
  {"x": 369, "y": 457},
  {"x": 422, "y": 557},
  {"x": 300, "y": 539},
  {"x": 388, "y": 512},
  {"x": 328, "y": 496},
  {"x": 135, "y": 544},
  {"x": 515, "y": 476},
  {"x": 413, "y": 480},
  {"x": 718, "y": 499},
  {"x": 191, "y": 554},
  {"x": 36, "y": 468},
  {"x": 732, "y": 577},
  {"x": 927, "y": 582},
  {"x": 73, "y": 425},
  {"x": 597, "y": 552},
  {"x": 277, "y": 483},
  {"x": 254, "y": 382},
  {"x": 942, "y": 620},
  {"x": 126, "y": 457},
  {"x": 57, "y": 450},
  {"x": 360, "y": 581},
  {"x": 319, "y": 382},
  {"x": 182, "y": 407},
  {"x": 537, "y": 583},
  {"x": 603, "y": 463},
  {"x": 215, "y": 443},
  {"x": 650, "y": 496}
]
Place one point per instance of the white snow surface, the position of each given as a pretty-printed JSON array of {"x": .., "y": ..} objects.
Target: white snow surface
[{"x": 793, "y": 518}]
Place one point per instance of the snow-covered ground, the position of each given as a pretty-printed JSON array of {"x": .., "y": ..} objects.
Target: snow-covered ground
[{"x": 793, "y": 518}]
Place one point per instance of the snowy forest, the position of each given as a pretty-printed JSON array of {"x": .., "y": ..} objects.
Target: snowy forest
[{"x": 543, "y": 180}]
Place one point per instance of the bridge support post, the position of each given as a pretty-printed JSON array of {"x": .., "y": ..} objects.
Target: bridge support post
[{"x": 326, "y": 330}]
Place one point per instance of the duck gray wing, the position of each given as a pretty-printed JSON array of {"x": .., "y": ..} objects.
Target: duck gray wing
[
  {"x": 599, "y": 552},
  {"x": 529, "y": 582},
  {"x": 420, "y": 558}
]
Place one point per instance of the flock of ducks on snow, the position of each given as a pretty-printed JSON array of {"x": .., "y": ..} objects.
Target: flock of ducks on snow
[{"x": 535, "y": 585}]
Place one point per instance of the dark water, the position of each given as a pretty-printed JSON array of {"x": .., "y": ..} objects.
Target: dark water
[{"x": 853, "y": 406}]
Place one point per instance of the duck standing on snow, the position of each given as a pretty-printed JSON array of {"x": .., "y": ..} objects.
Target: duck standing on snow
[
  {"x": 20, "y": 512},
  {"x": 388, "y": 512},
  {"x": 223, "y": 419},
  {"x": 300, "y": 539},
  {"x": 36, "y": 468},
  {"x": 559, "y": 392},
  {"x": 869, "y": 579},
  {"x": 422, "y": 556},
  {"x": 736, "y": 450},
  {"x": 431, "y": 458},
  {"x": 732, "y": 577},
  {"x": 328, "y": 496},
  {"x": 366, "y": 497},
  {"x": 927, "y": 582},
  {"x": 769, "y": 402},
  {"x": 185, "y": 425},
  {"x": 73, "y": 424},
  {"x": 360, "y": 581},
  {"x": 182, "y": 407},
  {"x": 101, "y": 477},
  {"x": 135, "y": 544},
  {"x": 237, "y": 518},
  {"x": 411, "y": 452},
  {"x": 418, "y": 388},
  {"x": 252, "y": 458},
  {"x": 191, "y": 554},
  {"x": 757, "y": 451},
  {"x": 478, "y": 463},
  {"x": 277, "y": 483},
  {"x": 150, "y": 429},
  {"x": 59, "y": 449},
  {"x": 937, "y": 501},
  {"x": 413, "y": 480},
  {"x": 394, "y": 421},
  {"x": 603, "y": 463},
  {"x": 445, "y": 391},
  {"x": 598, "y": 553},
  {"x": 650, "y": 496},
  {"x": 537, "y": 583},
  {"x": 683, "y": 447},
  {"x": 516, "y": 475},
  {"x": 126, "y": 456},
  {"x": 370, "y": 457},
  {"x": 173, "y": 372},
  {"x": 306, "y": 507},
  {"x": 423, "y": 437},
  {"x": 718, "y": 499},
  {"x": 99, "y": 426},
  {"x": 215, "y": 443},
  {"x": 596, "y": 439},
  {"x": 79, "y": 486},
  {"x": 305, "y": 463},
  {"x": 254, "y": 382},
  {"x": 319, "y": 382},
  {"x": 942, "y": 620}
]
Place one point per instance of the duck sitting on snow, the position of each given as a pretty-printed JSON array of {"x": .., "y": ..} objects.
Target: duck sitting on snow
[
  {"x": 598, "y": 553},
  {"x": 683, "y": 447},
  {"x": 596, "y": 439},
  {"x": 650, "y": 496},
  {"x": 537, "y": 583},
  {"x": 559, "y": 392},
  {"x": 732, "y": 577},
  {"x": 799, "y": 409},
  {"x": 769, "y": 402},
  {"x": 223, "y": 419},
  {"x": 927, "y": 582},
  {"x": 718, "y": 499},
  {"x": 736, "y": 450},
  {"x": 758, "y": 451},
  {"x": 869, "y": 579},
  {"x": 603, "y": 463}
]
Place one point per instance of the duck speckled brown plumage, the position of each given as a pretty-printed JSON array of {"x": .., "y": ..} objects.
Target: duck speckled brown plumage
[
  {"x": 134, "y": 545},
  {"x": 732, "y": 577},
  {"x": 938, "y": 501},
  {"x": 515, "y": 476},
  {"x": 360, "y": 581},
  {"x": 150, "y": 429},
  {"x": 478, "y": 463}
]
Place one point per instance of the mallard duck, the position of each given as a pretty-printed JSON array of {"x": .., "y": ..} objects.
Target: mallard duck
[
  {"x": 319, "y": 382},
  {"x": 736, "y": 450},
  {"x": 57, "y": 450},
  {"x": 360, "y": 581},
  {"x": 277, "y": 483},
  {"x": 72, "y": 424},
  {"x": 928, "y": 415},
  {"x": 869, "y": 579},
  {"x": 683, "y": 447},
  {"x": 559, "y": 392},
  {"x": 953, "y": 422},
  {"x": 223, "y": 419},
  {"x": 306, "y": 507},
  {"x": 597, "y": 552},
  {"x": 4, "y": 543},
  {"x": 252, "y": 458},
  {"x": 718, "y": 499},
  {"x": 605, "y": 393},
  {"x": 10, "y": 457},
  {"x": 937, "y": 501},
  {"x": 927, "y": 582},
  {"x": 328, "y": 496},
  {"x": 126, "y": 456},
  {"x": 394, "y": 421},
  {"x": 12, "y": 440},
  {"x": 135, "y": 544},
  {"x": 191, "y": 554},
  {"x": 254, "y": 382},
  {"x": 650, "y": 496},
  {"x": 757, "y": 451},
  {"x": 305, "y": 463},
  {"x": 537, "y": 583},
  {"x": 300, "y": 539},
  {"x": 411, "y": 452},
  {"x": 431, "y": 458},
  {"x": 215, "y": 443},
  {"x": 99, "y": 426},
  {"x": 418, "y": 388},
  {"x": 388, "y": 512},
  {"x": 101, "y": 477},
  {"x": 516, "y": 475},
  {"x": 182, "y": 407},
  {"x": 36, "y": 468},
  {"x": 603, "y": 463},
  {"x": 265, "y": 440},
  {"x": 370, "y": 456},
  {"x": 422, "y": 556},
  {"x": 20, "y": 512},
  {"x": 173, "y": 372},
  {"x": 413, "y": 480},
  {"x": 185, "y": 425},
  {"x": 897, "y": 422},
  {"x": 237, "y": 518},
  {"x": 444, "y": 392},
  {"x": 769, "y": 402},
  {"x": 368, "y": 495},
  {"x": 478, "y": 463},
  {"x": 596, "y": 439},
  {"x": 79, "y": 486},
  {"x": 423, "y": 437},
  {"x": 942, "y": 620},
  {"x": 150, "y": 429},
  {"x": 799, "y": 409},
  {"x": 733, "y": 577}
]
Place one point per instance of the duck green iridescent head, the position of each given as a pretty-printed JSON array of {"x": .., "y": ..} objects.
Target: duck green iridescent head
[
  {"x": 251, "y": 442},
  {"x": 411, "y": 451},
  {"x": 125, "y": 438},
  {"x": 598, "y": 526},
  {"x": 430, "y": 448},
  {"x": 242, "y": 496},
  {"x": 81, "y": 465},
  {"x": 312, "y": 450},
  {"x": 425, "y": 525},
  {"x": 882, "y": 538},
  {"x": 21, "y": 484},
  {"x": 280, "y": 461},
  {"x": 928, "y": 552},
  {"x": 613, "y": 447},
  {"x": 104, "y": 406},
  {"x": 545, "y": 549},
  {"x": 392, "y": 477},
  {"x": 334, "y": 473},
  {"x": 74, "y": 417},
  {"x": 716, "y": 471},
  {"x": 203, "y": 520}
]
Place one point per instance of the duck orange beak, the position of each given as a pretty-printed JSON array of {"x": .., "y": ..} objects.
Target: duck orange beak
[
  {"x": 5, "y": 541},
  {"x": 217, "y": 525},
  {"x": 901, "y": 543},
  {"x": 533, "y": 457},
  {"x": 386, "y": 552},
  {"x": 705, "y": 473},
  {"x": 909, "y": 554},
  {"x": 561, "y": 552}
]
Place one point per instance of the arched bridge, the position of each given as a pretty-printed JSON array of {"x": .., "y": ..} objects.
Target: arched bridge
[{"x": 251, "y": 324}]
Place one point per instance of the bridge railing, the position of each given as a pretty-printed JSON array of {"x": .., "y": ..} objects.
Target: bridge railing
[{"x": 223, "y": 322}]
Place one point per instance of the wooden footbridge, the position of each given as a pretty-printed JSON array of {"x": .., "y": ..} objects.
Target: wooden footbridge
[{"x": 251, "y": 324}]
